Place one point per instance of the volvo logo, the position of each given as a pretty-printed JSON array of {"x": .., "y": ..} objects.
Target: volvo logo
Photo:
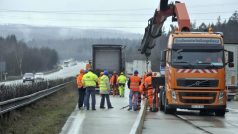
[{"x": 197, "y": 83}]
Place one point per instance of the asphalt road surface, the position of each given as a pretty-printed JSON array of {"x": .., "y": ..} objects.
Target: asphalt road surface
[
  {"x": 192, "y": 122},
  {"x": 63, "y": 73},
  {"x": 102, "y": 121}
]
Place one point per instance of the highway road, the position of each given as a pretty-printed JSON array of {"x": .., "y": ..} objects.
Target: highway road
[{"x": 63, "y": 73}]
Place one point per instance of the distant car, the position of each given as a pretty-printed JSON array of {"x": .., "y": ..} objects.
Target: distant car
[
  {"x": 28, "y": 77},
  {"x": 39, "y": 77}
]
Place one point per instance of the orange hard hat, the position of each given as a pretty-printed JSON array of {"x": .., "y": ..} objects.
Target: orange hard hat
[{"x": 81, "y": 71}]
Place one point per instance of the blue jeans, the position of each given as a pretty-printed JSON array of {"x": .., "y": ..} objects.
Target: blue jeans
[
  {"x": 81, "y": 99},
  {"x": 133, "y": 99},
  {"x": 105, "y": 96},
  {"x": 90, "y": 91}
]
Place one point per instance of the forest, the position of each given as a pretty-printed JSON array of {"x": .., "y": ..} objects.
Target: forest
[{"x": 20, "y": 58}]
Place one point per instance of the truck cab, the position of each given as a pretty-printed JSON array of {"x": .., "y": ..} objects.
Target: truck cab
[{"x": 195, "y": 72}]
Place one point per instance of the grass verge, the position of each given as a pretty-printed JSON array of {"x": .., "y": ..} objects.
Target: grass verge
[{"x": 46, "y": 116}]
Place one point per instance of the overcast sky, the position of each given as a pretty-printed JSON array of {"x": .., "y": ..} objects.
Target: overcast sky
[{"x": 126, "y": 15}]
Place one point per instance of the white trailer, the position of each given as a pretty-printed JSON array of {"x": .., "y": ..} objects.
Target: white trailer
[
  {"x": 232, "y": 73},
  {"x": 141, "y": 66},
  {"x": 129, "y": 68}
]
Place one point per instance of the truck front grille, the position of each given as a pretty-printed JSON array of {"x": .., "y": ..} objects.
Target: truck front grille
[
  {"x": 199, "y": 97},
  {"x": 197, "y": 83}
]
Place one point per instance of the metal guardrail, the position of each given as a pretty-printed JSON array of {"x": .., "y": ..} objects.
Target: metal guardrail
[{"x": 12, "y": 104}]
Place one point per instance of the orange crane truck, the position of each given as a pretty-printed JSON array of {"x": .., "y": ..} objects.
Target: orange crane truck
[{"x": 194, "y": 63}]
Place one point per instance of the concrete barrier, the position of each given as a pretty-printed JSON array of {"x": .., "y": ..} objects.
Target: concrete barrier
[{"x": 138, "y": 124}]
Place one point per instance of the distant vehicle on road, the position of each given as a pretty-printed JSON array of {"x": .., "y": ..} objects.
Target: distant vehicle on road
[
  {"x": 28, "y": 77},
  {"x": 39, "y": 77},
  {"x": 66, "y": 63}
]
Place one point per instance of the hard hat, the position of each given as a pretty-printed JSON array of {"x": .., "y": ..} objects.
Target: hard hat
[
  {"x": 121, "y": 73},
  {"x": 81, "y": 71},
  {"x": 105, "y": 72},
  {"x": 136, "y": 72}
]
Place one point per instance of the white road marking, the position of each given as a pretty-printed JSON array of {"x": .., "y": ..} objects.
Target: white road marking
[{"x": 74, "y": 122}]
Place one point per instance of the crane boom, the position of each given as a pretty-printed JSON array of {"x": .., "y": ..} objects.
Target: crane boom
[{"x": 178, "y": 12}]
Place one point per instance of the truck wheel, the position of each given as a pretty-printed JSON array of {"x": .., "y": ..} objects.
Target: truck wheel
[
  {"x": 168, "y": 110},
  {"x": 220, "y": 113}
]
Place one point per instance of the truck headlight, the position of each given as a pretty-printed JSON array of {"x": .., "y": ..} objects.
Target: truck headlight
[
  {"x": 221, "y": 95},
  {"x": 173, "y": 95}
]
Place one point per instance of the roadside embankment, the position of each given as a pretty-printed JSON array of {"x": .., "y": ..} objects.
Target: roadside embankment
[{"x": 46, "y": 116}]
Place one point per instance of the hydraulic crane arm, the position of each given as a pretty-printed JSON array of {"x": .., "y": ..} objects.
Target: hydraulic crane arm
[{"x": 178, "y": 12}]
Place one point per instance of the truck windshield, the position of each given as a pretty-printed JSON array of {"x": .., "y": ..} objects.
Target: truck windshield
[{"x": 198, "y": 59}]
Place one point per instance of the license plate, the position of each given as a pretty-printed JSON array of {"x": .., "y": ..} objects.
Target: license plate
[{"x": 197, "y": 106}]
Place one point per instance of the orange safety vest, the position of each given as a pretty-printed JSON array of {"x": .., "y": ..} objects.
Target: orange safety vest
[
  {"x": 79, "y": 80},
  {"x": 113, "y": 80},
  {"x": 135, "y": 83},
  {"x": 148, "y": 82},
  {"x": 142, "y": 87},
  {"x": 144, "y": 77}
]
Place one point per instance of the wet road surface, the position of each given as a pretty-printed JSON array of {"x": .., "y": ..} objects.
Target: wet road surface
[
  {"x": 103, "y": 121},
  {"x": 191, "y": 122},
  {"x": 63, "y": 73}
]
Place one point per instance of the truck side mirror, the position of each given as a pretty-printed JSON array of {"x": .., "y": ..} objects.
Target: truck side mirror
[
  {"x": 230, "y": 57},
  {"x": 163, "y": 59}
]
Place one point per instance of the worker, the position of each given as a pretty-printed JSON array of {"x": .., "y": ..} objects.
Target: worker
[
  {"x": 151, "y": 92},
  {"x": 144, "y": 77},
  {"x": 81, "y": 89},
  {"x": 219, "y": 60},
  {"x": 207, "y": 59},
  {"x": 90, "y": 81},
  {"x": 101, "y": 74},
  {"x": 113, "y": 82},
  {"x": 121, "y": 81},
  {"x": 88, "y": 65},
  {"x": 143, "y": 90},
  {"x": 133, "y": 84},
  {"x": 104, "y": 87}
]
